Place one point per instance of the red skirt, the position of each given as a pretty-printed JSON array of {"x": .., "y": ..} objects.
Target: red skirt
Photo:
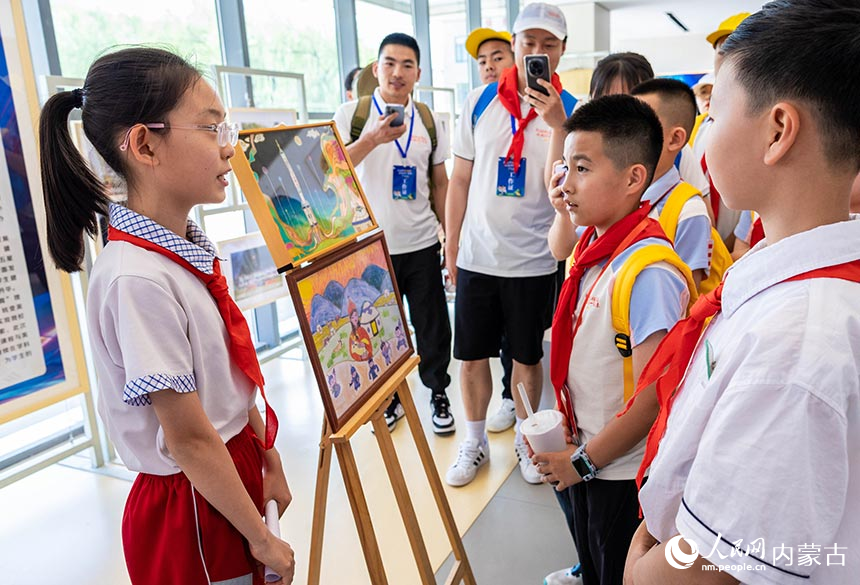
[{"x": 160, "y": 531}]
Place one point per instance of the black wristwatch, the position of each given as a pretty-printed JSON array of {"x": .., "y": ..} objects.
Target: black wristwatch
[{"x": 583, "y": 465}]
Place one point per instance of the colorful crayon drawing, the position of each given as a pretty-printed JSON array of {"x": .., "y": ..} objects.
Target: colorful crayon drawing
[
  {"x": 350, "y": 313},
  {"x": 302, "y": 190}
]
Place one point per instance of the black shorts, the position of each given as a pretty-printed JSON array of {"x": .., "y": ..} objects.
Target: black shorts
[{"x": 488, "y": 307}]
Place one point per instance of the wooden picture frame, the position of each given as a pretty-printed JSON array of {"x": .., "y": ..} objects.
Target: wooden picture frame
[
  {"x": 303, "y": 191},
  {"x": 351, "y": 317},
  {"x": 251, "y": 274}
]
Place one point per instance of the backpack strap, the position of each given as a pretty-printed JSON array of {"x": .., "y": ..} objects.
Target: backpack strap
[
  {"x": 568, "y": 101},
  {"x": 484, "y": 100},
  {"x": 622, "y": 291},
  {"x": 429, "y": 123},
  {"x": 721, "y": 258},
  {"x": 671, "y": 212},
  {"x": 359, "y": 117}
]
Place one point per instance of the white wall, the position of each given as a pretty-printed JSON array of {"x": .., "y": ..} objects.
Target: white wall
[{"x": 684, "y": 53}]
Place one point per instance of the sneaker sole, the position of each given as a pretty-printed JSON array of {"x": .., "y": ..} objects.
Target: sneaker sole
[
  {"x": 444, "y": 430},
  {"x": 495, "y": 429}
]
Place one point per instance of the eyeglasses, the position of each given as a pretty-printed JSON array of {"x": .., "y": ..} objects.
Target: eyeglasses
[{"x": 228, "y": 132}]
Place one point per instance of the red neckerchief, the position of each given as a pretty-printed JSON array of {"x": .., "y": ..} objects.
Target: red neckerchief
[
  {"x": 714, "y": 194},
  {"x": 671, "y": 358},
  {"x": 241, "y": 347},
  {"x": 757, "y": 232},
  {"x": 623, "y": 233},
  {"x": 510, "y": 97}
]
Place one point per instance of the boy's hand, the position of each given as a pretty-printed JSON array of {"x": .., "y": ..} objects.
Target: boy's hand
[
  {"x": 276, "y": 554},
  {"x": 451, "y": 251},
  {"x": 555, "y": 468},
  {"x": 549, "y": 107},
  {"x": 642, "y": 542}
]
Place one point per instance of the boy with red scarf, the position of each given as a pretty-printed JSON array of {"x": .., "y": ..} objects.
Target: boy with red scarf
[
  {"x": 497, "y": 219},
  {"x": 611, "y": 152},
  {"x": 753, "y": 459}
]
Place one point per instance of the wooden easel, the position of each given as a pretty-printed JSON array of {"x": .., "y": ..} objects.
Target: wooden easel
[{"x": 373, "y": 411}]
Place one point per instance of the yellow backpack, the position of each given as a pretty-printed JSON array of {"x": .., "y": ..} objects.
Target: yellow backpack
[
  {"x": 622, "y": 291},
  {"x": 721, "y": 259}
]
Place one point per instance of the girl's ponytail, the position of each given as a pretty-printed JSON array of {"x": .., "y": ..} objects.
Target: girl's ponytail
[
  {"x": 130, "y": 86},
  {"x": 73, "y": 194}
]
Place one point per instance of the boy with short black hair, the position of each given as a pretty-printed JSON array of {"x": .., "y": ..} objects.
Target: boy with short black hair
[
  {"x": 759, "y": 468},
  {"x": 612, "y": 149},
  {"x": 678, "y": 205}
]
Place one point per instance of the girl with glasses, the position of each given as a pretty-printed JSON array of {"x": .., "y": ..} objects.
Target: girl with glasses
[{"x": 173, "y": 355}]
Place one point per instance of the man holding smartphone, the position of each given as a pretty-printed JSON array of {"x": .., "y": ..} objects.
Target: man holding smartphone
[
  {"x": 399, "y": 152},
  {"x": 498, "y": 216}
]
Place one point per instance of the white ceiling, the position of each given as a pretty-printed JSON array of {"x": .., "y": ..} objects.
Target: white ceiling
[{"x": 632, "y": 19}]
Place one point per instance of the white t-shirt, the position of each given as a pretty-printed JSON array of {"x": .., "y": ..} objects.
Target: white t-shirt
[
  {"x": 410, "y": 225},
  {"x": 503, "y": 236},
  {"x": 766, "y": 449},
  {"x": 154, "y": 325}
]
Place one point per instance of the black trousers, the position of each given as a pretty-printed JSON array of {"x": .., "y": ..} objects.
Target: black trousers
[
  {"x": 419, "y": 278},
  {"x": 602, "y": 516}
]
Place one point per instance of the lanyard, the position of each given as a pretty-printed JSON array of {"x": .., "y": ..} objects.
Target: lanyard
[{"x": 411, "y": 126}]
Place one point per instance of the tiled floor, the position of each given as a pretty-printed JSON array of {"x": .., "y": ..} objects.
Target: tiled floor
[{"x": 62, "y": 525}]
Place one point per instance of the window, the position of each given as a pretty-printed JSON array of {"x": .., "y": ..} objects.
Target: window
[
  {"x": 494, "y": 14},
  {"x": 448, "y": 32},
  {"x": 296, "y": 37},
  {"x": 375, "y": 20},
  {"x": 85, "y": 30}
]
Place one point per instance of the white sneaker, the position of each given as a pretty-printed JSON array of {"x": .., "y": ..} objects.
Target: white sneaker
[
  {"x": 527, "y": 468},
  {"x": 569, "y": 576},
  {"x": 504, "y": 418},
  {"x": 470, "y": 457}
]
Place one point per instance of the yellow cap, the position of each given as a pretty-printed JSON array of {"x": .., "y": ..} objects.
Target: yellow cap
[
  {"x": 480, "y": 35},
  {"x": 727, "y": 27}
]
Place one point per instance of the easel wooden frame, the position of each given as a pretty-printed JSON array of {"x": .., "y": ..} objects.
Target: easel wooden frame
[{"x": 373, "y": 411}]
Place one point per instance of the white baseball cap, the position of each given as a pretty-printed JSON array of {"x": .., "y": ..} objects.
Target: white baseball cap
[{"x": 542, "y": 16}]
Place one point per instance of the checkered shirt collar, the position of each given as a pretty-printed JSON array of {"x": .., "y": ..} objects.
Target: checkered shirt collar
[{"x": 196, "y": 249}]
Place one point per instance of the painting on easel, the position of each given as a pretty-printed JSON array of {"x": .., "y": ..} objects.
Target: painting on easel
[
  {"x": 352, "y": 319},
  {"x": 302, "y": 190}
]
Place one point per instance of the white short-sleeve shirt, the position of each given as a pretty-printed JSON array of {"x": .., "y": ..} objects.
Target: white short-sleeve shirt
[
  {"x": 765, "y": 451},
  {"x": 503, "y": 236},
  {"x": 153, "y": 325},
  {"x": 410, "y": 225}
]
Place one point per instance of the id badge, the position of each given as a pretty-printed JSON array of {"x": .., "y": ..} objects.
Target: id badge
[
  {"x": 404, "y": 186},
  {"x": 510, "y": 183}
]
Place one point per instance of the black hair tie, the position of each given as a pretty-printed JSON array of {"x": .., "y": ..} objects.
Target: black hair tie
[{"x": 78, "y": 94}]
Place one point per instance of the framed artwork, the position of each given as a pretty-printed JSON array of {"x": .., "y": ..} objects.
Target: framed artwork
[
  {"x": 250, "y": 272},
  {"x": 42, "y": 358},
  {"x": 301, "y": 188},
  {"x": 352, "y": 320}
]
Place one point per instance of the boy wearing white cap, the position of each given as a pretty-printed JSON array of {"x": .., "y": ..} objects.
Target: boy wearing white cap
[{"x": 498, "y": 216}]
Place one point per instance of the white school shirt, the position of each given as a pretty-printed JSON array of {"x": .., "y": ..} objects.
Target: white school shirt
[
  {"x": 659, "y": 298},
  {"x": 503, "y": 236},
  {"x": 768, "y": 446},
  {"x": 409, "y": 225},
  {"x": 153, "y": 325},
  {"x": 693, "y": 241},
  {"x": 691, "y": 171}
]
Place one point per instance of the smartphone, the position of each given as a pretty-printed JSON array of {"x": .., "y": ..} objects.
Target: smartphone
[
  {"x": 560, "y": 168},
  {"x": 395, "y": 109},
  {"x": 537, "y": 67}
]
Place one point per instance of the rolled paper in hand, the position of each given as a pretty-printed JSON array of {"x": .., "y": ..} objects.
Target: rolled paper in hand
[{"x": 275, "y": 528}]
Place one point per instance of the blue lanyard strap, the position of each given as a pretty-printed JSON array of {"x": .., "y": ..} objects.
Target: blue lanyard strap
[
  {"x": 411, "y": 126},
  {"x": 513, "y": 125}
]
